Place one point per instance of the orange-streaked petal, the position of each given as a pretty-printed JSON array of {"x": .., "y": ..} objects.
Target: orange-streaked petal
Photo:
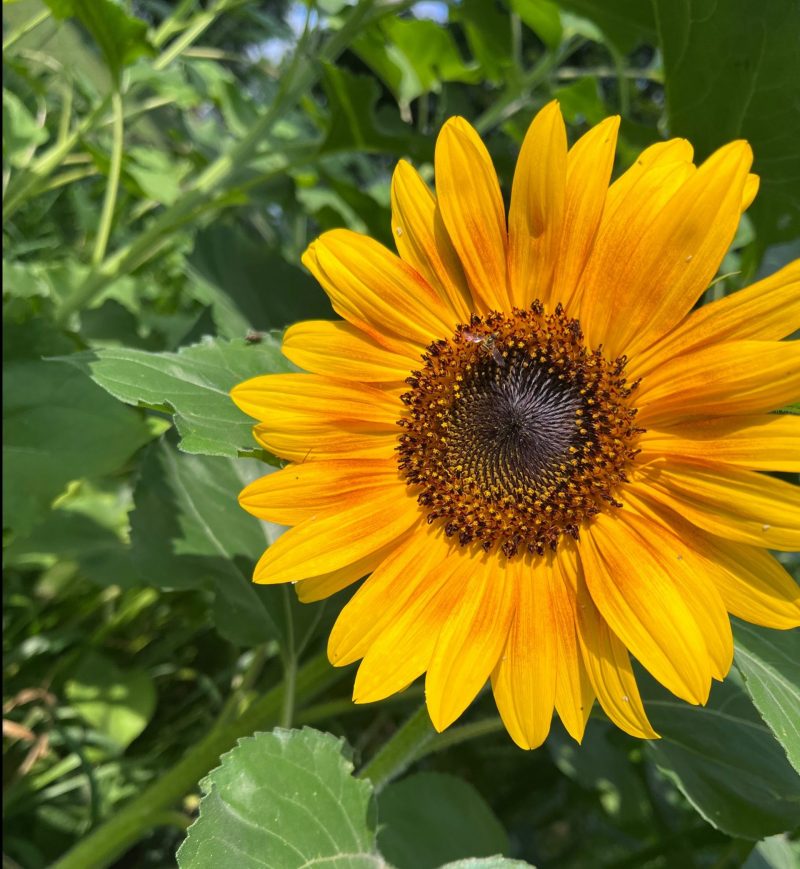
[
  {"x": 742, "y": 377},
  {"x": 536, "y": 213},
  {"x": 750, "y": 581},
  {"x": 298, "y": 401},
  {"x": 574, "y": 692},
  {"x": 325, "y": 544},
  {"x": 303, "y": 491},
  {"x": 404, "y": 649},
  {"x": 589, "y": 164},
  {"x": 326, "y": 442},
  {"x": 729, "y": 502},
  {"x": 634, "y": 592},
  {"x": 387, "y": 593},
  {"x": 376, "y": 291},
  {"x": 770, "y": 442},
  {"x": 472, "y": 639},
  {"x": 766, "y": 311},
  {"x": 473, "y": 211},
  {"x": 524, "y": 679},
  {"x": 643, "y": 284},
  {"x": 319, "y": 587},
  {"x": 422, "y": 240},
  {"x": 337, "y": 349},
  {"x": 609, "y": 668}
]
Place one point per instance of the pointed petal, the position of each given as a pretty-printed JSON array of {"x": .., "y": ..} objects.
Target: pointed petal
[
  {"x": 376, "y": 291},
  {"x": 321, "y": 545},
  {"x": 327, "y": 442},
  {"x": 770, "y": 442},
  {"x": 524, "y": 680},
  {"x": 767, "y": 311},
  {"x": 589, "y": 165},
  {"x": 300, "y": 492},
  {"x": 741, "y": 377},
  {"x": 472, "y": 209},
  {"x": 624, "y": 578},
  {"x": 472, "y": 639},
  {"x": 422, "y": 240},
  {"x": 536, "y": 214},
  {"x": 337, "y": 349},
  {"x": 646, "y": 277},
  {"x": 297, "y": 401},
  {"x": 610, "y": 672},
  {"x": 726, "y": 501},
  {"x": 401, "y": 577}
]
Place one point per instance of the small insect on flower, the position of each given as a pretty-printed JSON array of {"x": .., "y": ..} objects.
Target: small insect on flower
[
  {"x": 253, "y": 337},
  {"x": 489, "y": 344}
]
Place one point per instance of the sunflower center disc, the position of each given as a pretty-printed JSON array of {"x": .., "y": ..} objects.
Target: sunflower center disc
[{"x": 515, "y": 433}]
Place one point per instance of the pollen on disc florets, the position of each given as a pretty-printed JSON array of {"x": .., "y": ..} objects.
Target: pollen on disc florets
[{"x": 516, "y": 433}]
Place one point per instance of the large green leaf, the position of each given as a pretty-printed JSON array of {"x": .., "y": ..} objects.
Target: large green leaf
[
  {"x": 769, "y": 661},
  {"x": 625, "y": 23},
  {"x": 777, "y": 852},
  {"x": 58, "y": 426},
  {"x": 187, "y": 531},
  {"x": 732, "y": 70},
  {"x": 193, "y": 384},
  {"x": 284, "y": 799},
  {"x": 725, "y": 761},
  {"x": 430, "y": 818},
  {"x": 120, "y": 36}
]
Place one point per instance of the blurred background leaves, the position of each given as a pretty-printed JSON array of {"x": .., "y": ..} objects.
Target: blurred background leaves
[{"x": 230, "y": 133}]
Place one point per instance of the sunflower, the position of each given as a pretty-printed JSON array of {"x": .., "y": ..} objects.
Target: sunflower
[{"x": 545, "y": 460}]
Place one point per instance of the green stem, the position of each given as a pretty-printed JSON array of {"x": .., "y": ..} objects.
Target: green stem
[
  {"x": 128, "y": 825},
  {"x": 289, "y": 663},
  {"x": 200, "y": 24},
  {"x": 112, "y": 187},
  {"x": 399, "y": 752},
  {"x": 456, "y": 735},
  {"x": 29, "y": 25}
]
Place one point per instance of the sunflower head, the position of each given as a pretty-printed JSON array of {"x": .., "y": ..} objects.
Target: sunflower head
[{"x": 543, "y": 458}]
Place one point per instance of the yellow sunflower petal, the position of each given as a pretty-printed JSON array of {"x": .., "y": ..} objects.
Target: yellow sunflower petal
[
  {"x": 472, "y": 208},
  {"x": 298, "y": 401},
  {"x": 742, "y": 377},
  {"x": 766, "y": 311},
  {"x": 729, "y": 502},
  {"x": 375, "y": 290},
  {"x": 340, "y": 350},
  {"x": 524, "y": 679},
  {"x": 750, "y": 191},
  {"x": 325, "y": 544},
  {"x": 303, "y": 491},
  {"x": 536, "y": 213},
  {"x": 574, "y": 692},
  {"x": 610, "y": 672},
  {"x": 648, "y": 278},
  {"x": 387, "y": 593},
  {"x": 472, "y": 639},
  {"x": 770, "y": 442},
  {"x": 422, "y": 240},
  {"x": 750, "y": 581},
  {"x": 325, "y": 442},
  {"x": 625, "y": 580},
  {"x": 319, "y": 587},
  {"x": 404, "y": 649},
  {"x": 589, "y": 164}
]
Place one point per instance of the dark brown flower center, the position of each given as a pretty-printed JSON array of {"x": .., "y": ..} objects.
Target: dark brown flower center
[{"x": 515, "y": 433}]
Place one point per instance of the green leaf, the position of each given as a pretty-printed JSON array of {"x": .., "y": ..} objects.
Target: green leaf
[
  {"x": 121, "y": 37},
  {"x": 22, "y": 134},
  {"x": 430, "y": 818},
  {"x": 731, "y": 72},
  {"x": 250, "y": 286},
  {"x": 725, "y": 761},
  {"x": 769, "y": 662},
  {"x": 193, "y": 384},
  {"x": 496, "y": 862},
  {"x": 188, "y": 531},
  {"x": 284, "y": 799},
  {"x": 117, "y": 702},
  {"x": 626, "y": 23},
  {"x": 543, "y": 18},
  {"x": 488, "y": 34},
  {"x": 58, "y": 427},
  {"x": 581, "y": 101},
  {"x": 777, "y": 852}
]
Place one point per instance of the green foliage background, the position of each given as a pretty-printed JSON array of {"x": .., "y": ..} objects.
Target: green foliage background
[{"x": 164, "y": 166}]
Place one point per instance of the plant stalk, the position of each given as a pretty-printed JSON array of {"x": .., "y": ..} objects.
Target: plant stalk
[{"x": 112, "y": 188}]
